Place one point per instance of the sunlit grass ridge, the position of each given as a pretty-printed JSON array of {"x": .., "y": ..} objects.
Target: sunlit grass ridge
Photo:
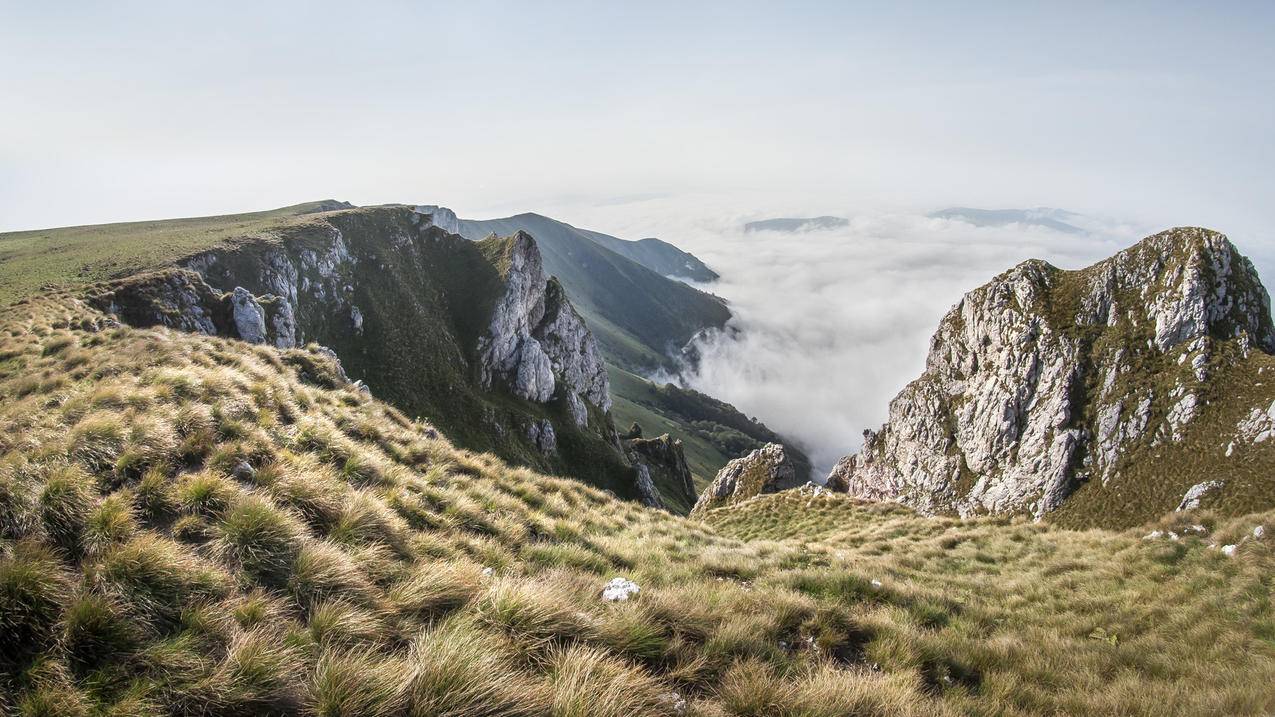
[{"x": 191, "y": 525}]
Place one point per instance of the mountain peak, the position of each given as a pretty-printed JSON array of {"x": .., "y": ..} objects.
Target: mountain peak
[{"x": 1043, "y": 379}]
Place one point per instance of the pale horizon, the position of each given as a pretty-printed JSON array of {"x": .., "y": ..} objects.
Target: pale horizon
[{"x": 1155, "y": 113}]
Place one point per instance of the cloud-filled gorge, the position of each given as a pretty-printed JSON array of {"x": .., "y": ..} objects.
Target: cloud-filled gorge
[{"x": 831, "y": 324}]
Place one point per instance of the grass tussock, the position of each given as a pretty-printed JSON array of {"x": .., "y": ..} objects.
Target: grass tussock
[
  {"x": 460, "y": 671},
  {"x": 191, "y": 526}
]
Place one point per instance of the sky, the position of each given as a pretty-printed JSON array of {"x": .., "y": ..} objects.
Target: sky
[
  {"x": 128, "y": 110},
  {"x": 680, "y": 120}
]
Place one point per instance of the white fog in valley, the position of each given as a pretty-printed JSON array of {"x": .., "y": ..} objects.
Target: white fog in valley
[{"x": 833, "y": 323}]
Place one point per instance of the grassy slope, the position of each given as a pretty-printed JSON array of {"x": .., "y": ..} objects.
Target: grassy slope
[
  {"x": 85, "y": 254},
  {"x": 144, "y": 570},
  {"x": 422, "y": 317},
  {"x": 630, "y": 336},
  {"x": 1053, "y": 620}
]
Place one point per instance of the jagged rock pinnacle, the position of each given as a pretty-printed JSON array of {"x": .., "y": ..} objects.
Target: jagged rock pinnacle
[{"x": 1044, "y": 378}]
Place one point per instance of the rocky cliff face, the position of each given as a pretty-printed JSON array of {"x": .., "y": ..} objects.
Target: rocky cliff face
[
  {"x": 432, "y": 322},
  {"x": 536, "y": 342},
  {"x": 1044, "y": 380},
  {"x": 441, "y": 217},
  {"x": 182, "y": 300},
  {"x": 660, "y": 462},
  {"x": 765, "y": 470}
]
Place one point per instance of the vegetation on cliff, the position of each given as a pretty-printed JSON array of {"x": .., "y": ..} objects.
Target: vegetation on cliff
[
  {"x": 712, "y": 430},
  {"x": 1095, "y": 397},
  {"x": 405, "y": 317}
]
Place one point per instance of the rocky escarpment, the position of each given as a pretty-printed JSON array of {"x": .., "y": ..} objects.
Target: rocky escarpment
[
  {"x": 471, "y": 335},
  {"x": 182, "y": 300},
  {"x": 765, "y": 470},
  {"x": 1105, "y": 382},
  {"x": 662, "y": 469},
  {"x": 536, "y": 342}
]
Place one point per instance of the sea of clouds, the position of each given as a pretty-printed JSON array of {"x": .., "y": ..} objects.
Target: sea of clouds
[{"x": 833, "y": 323}]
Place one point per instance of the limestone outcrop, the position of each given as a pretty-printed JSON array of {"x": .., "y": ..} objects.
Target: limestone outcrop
[
  {"x": 1044, "y": 379},
  {"x": 765, "y": 470},
  {"x": 536, "y": 342},
  {"x": 182, "y": 300},
  {"x": 660, "y": 457}
]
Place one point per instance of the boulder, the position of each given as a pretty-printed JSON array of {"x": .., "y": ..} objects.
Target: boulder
[{"x": 765, "y": 470}]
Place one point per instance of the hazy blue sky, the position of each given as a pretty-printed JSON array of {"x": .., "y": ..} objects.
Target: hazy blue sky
[{"x": 127, "y": 110}]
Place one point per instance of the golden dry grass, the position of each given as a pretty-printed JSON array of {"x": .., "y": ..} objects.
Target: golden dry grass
[{"x": 189, "y": 527}]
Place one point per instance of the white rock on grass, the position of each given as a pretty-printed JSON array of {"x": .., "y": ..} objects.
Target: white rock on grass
[
  {"x": 1229, "y": 550},
  {"x": 1191, "y": 499},
  {"x": 1258, "y": 532},
  {"x": 620, "y": 590}
]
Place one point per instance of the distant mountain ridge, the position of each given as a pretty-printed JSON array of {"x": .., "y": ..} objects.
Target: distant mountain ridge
[
  {"x": 796, "y": 224},
  {"x": 1047, "y": 217},
  {"x": 658, "y": 255}
]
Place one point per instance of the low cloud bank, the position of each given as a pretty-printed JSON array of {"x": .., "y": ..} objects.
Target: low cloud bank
[{"x": 833, "y": 323}]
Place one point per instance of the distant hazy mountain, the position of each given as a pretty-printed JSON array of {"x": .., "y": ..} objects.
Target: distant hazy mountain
[
  {"x": 1056, "y": 219},
  {"x": 796, "y": 224},
  {"x": 657, "y": 255},
  {"x": 641, "y": 317}
]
